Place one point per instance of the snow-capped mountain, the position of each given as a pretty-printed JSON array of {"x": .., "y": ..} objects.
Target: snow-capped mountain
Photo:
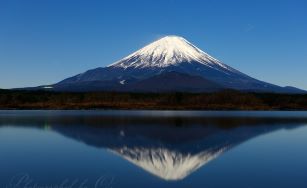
[
  {"x": 169, "y": 51},
  {"x": 167, "y": 55}
]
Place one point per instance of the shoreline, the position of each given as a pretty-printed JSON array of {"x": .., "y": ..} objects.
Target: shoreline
[{"x": 219, "y": 101}]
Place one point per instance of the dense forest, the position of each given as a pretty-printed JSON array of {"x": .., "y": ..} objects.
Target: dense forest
[{"x": 224, "y": 100}]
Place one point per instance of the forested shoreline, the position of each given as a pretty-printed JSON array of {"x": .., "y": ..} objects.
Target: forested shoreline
[{"x": 224, "y": 100}]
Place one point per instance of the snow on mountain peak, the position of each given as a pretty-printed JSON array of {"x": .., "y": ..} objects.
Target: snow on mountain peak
[
  {"x": 169, "y": 50},
  {"x": 168, "y": 164}
]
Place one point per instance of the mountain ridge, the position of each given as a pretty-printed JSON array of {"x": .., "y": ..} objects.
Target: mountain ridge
[{"x": 168, "y": 54}]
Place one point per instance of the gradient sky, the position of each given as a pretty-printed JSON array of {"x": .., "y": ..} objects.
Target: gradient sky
[{"x": 45, "y": 41}]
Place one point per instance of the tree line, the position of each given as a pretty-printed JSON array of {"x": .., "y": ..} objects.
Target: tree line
[{"x": 223, "y": 100}]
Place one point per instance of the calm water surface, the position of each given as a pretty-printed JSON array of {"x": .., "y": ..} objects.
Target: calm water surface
[{"x": 81, "y": 149}]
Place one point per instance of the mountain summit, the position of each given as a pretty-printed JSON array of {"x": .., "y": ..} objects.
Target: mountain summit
[
  {"x": 167, "y": 51},
  {"x": 169, "y": 64}
]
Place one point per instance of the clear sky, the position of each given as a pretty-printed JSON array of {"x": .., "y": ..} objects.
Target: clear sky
[{"x": 45, "y": 41}]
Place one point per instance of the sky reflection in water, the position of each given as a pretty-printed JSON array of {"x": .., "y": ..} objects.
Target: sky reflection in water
[{"x": 153, "y": 148}]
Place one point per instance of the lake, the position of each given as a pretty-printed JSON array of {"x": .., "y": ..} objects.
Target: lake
[{"x": 78, "y": 149}]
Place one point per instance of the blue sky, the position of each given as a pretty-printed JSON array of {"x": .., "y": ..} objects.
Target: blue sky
[{"x": 45, "y": 41}]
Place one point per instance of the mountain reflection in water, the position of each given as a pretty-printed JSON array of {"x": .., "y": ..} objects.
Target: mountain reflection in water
[{"x": 170, "y": 147}]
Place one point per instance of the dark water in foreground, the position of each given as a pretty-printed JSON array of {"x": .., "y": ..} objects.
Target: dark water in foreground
[{"x": 81, "y": 149}]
